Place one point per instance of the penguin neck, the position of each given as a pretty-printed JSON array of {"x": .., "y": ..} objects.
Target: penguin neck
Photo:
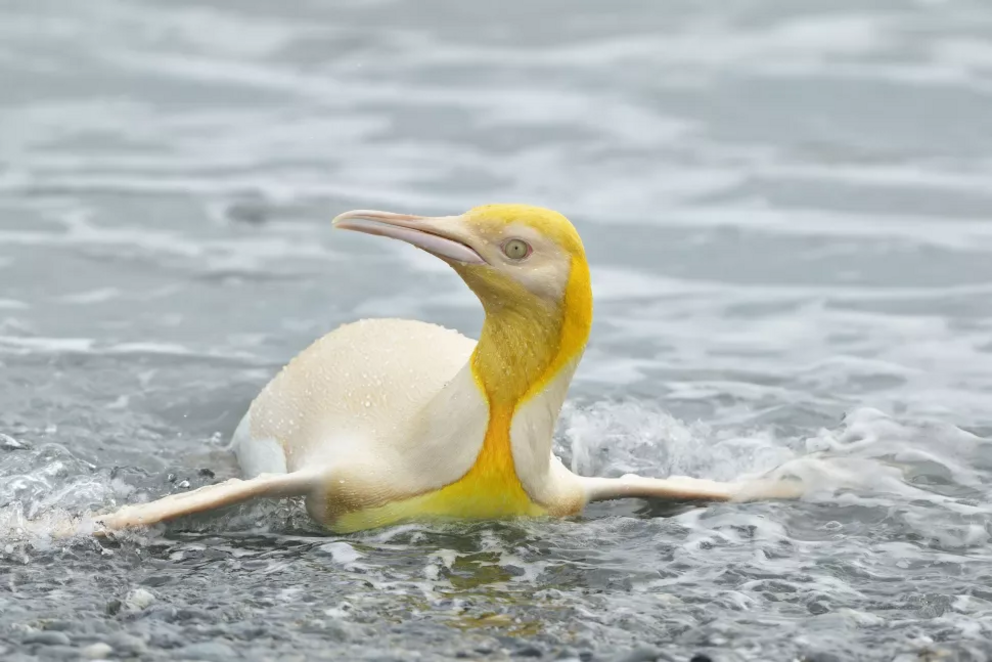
[
  {"x": 528, "y": 341},
  {"x": 527, "y": 353},
  {"x": 516, "y": 350}
]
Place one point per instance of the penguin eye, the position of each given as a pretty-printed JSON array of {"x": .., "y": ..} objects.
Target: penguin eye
[{"x": 516, "y": 249}]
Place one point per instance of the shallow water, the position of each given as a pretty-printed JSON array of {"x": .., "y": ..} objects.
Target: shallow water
[{"x": 787, "y": 211}]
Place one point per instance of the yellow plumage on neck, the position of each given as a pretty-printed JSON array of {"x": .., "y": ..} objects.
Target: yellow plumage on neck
[{"x": 525, "y": 343}]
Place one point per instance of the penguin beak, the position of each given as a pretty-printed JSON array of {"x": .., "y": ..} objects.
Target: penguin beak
[{"x": 442, "y": 236}]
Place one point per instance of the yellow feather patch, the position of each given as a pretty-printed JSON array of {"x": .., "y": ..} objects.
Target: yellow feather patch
[
  {"x": 490, "y": 490},
  {"x": 576, "y": 322}
]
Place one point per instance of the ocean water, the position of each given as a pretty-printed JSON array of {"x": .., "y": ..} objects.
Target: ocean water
[{"x": 788, "y": 213}]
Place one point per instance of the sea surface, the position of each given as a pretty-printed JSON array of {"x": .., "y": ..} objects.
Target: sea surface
[{"x": 787, "y": 208}]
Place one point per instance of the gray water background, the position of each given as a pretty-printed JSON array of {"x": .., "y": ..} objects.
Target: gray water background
[{"x": 786, "y": 207}]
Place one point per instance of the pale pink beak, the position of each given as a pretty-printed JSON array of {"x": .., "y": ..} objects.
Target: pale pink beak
[{"x": 438, "y": 235}]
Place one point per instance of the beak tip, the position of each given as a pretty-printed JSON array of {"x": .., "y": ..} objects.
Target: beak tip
[{"x": 337, "y": 220}]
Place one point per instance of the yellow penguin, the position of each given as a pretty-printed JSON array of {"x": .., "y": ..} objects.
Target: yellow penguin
[{"x": 390, "y": 420}]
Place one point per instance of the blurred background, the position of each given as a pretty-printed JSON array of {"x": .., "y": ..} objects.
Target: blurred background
[{"x": 786, "y": 207}]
